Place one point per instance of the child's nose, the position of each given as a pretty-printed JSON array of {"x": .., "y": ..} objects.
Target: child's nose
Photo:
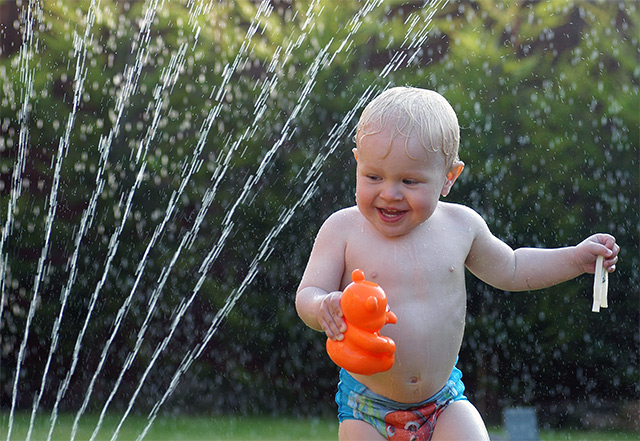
[{"x": 391, "y": 192}]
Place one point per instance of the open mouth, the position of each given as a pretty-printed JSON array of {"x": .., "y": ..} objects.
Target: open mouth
[{"x": 390, "y": 215}]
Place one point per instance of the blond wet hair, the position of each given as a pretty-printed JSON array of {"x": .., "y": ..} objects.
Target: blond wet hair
[{"x": 422, "y": 113}]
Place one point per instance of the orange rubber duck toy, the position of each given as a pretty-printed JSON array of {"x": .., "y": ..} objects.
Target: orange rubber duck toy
[{"x": 363, "y": 350}]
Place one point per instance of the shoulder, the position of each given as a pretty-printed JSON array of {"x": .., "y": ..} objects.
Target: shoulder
[
  {"x": 340, "y": 223},
  {"x": 461, "y": 214},
  {"x": 343, "y": 219}
]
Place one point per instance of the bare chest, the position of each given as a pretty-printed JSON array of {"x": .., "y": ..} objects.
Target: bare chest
[{"x": 417, "y": 263}]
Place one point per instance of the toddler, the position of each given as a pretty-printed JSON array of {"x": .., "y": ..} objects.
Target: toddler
[{"x": 416, "y": 248}]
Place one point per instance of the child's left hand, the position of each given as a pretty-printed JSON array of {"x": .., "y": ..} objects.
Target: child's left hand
[{"x": 599, "y": 244}]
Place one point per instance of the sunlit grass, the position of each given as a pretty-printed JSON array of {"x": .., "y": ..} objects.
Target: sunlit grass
[
  {"x": 232, "y": 428},
  {"x": 589, "y": 436},
  {"x": 498, "y": 434},
  {"x": 175, "y": 428}
]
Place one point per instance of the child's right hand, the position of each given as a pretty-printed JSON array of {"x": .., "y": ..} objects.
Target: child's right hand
[
  {"x": 596, "y": 245},
  {"x": 330, "y": 316}
]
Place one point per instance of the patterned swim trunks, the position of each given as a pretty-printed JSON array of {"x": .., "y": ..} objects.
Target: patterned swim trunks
[{"x": 394, "y": 420}]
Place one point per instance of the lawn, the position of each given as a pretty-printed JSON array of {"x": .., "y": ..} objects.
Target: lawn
[
  {"x": 497, "y": 434},
  {"x": 199, "y": 428},
  {"x": 178, "y": 428}
]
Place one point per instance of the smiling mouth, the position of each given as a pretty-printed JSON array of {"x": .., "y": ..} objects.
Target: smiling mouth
[{"x": 389, "y": 215}]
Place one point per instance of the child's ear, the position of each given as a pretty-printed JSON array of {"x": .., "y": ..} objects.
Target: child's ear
[
  {"x": 355, "y": 153},
  {"x": 451, "y": 177}
]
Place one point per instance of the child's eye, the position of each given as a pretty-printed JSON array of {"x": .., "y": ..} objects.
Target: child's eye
[
  {"x": 409, "y": 181},
  {"x": 373, "y": 177}
]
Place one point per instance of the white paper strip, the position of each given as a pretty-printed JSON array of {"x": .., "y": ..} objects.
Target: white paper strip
[{"x": 600, "y": 286}]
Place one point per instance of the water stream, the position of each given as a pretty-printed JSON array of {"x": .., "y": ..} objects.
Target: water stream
[{"x": 417, "y": 30}]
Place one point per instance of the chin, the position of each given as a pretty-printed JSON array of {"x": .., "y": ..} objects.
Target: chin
[{"x": 392, "y": 231}]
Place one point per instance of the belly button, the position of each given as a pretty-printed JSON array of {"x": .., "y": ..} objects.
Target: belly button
[
  {"x": 451, "y": 269},
  {"x": 413, "y": 380}
]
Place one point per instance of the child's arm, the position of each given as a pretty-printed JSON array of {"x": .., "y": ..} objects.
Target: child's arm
[
  {"x": 318, "y": 296},
  {"x": 321, "y": 311},
  {"x": 494, "y": 262}
]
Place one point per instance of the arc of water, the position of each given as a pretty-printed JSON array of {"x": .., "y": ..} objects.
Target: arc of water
[
  {"x": 323, "y": 59},
  {"x": 227, "y": 73},
  {"x": 311, "y": 180},
  {"x": 187, "y": 239},
  {"x": 227, "y": 76},
  {"x": 312, "y": 177},
  {"x": 196, "y": 352},
  {"x": 80, "y": 75},
  {"x": 113, "y": 246},
  {"x": 212, "y": 256},
  {"x": 253, "y": 268},
  {"x": 169, "y": 77},
  {"x": 417, "y": 40},
  {"x": 28, "y": 20},
  {"x": 26, "y": 79},
  {"x": 264, "y": 9},
  {"x": 131, "y": 76},
  {"x": 52, "y": 200}
]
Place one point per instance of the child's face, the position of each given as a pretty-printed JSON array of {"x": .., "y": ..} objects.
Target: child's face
[{"x": 395, "y": 192}]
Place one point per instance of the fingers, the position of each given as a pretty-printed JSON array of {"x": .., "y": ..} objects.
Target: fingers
[
  {"x": 611, "y": 253},
  {"x": 608, "y": 248},
  {"x": 610, "y": 263},
  {"x": 330, "y": 317}
]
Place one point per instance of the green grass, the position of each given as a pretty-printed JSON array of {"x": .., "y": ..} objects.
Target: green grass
[
  {"x": 575, "y": 435},
  {"x": 202, "y": 428},
  {"x": 589, "y": 436},
  {"x": 178, "y": 428}
]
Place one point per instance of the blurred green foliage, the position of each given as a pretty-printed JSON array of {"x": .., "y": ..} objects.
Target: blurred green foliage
[{"x": 548, "y": 103}]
